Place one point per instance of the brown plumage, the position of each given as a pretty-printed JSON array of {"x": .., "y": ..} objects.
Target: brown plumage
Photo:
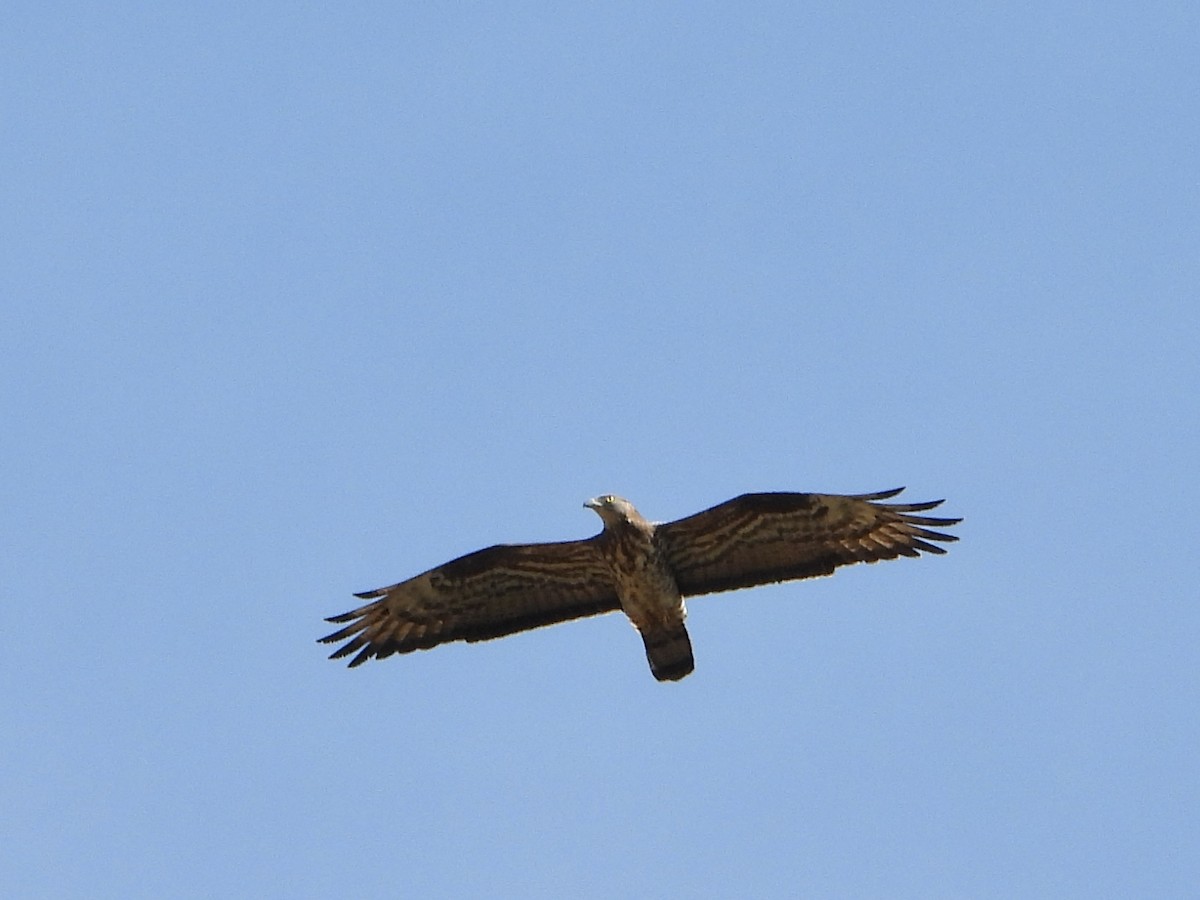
[{"x": 642, "y": 568}]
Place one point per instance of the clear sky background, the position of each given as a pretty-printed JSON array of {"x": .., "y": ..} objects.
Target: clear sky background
[{"x": 300, "y": 300}]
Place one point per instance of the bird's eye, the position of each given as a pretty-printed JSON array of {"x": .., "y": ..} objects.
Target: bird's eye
[{"x": 609, "y": 499}]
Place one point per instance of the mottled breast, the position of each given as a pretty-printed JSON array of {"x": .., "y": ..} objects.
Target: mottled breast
[{"x": 644, "y": 583}]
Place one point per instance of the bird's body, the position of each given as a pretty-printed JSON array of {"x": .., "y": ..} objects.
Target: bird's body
[
  {"x": 645, "y": 586},
  {"x": 639, "y": 567}
]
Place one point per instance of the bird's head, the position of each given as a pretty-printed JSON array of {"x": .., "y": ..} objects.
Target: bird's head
[{"x": 611, "y": 508}]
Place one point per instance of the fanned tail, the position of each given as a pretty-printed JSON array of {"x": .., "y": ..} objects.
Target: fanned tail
[{"x": 669, "y": 652}]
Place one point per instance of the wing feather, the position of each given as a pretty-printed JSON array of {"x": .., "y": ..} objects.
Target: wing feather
[
  {"x": 762, "y": 538},
  {"x": 486, "y": 594}
]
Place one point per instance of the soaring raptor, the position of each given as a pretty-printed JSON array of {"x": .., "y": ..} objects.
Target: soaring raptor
[{"x": 639, "y": 567}]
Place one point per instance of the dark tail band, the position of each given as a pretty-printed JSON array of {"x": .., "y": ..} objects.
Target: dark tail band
[{"x": 669, "y": 653}]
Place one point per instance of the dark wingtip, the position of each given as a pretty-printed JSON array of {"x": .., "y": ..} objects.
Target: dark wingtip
[
  {"x": 339, "y": 654},
  {"x": 926, "y": 547},
  {"x": 878, "y": 495},
  {"x": 914, "y": 507},
  {"x": 936, "y": 522}
]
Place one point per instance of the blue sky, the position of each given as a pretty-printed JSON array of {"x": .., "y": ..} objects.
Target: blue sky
[{"x": 302, "y": 300}]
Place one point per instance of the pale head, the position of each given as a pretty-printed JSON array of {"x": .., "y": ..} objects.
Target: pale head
[{"x": 612, "y": 509}]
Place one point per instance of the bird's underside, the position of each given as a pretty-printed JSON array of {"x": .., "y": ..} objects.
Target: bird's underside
[{"x": 641, "y": 568}]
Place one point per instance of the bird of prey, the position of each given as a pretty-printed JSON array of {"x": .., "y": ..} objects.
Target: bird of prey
[{"x": 642, "y": 568}]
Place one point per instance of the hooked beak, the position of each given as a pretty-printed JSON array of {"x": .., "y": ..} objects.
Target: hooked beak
[{"x": 594, "y": 503}]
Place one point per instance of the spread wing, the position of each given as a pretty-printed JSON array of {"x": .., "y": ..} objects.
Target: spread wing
[
  {"x": 486, "y": 594},
  {"x": 761, "y": 538}
]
